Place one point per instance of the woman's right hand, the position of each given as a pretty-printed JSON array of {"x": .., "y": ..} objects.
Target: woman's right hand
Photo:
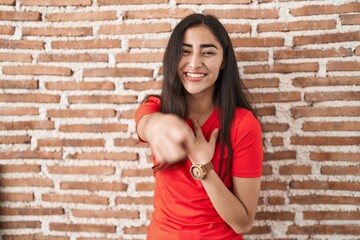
[{"x": 169, "y": 136}]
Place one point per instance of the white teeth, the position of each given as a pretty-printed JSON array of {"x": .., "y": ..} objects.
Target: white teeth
[{"x": 195, "y": 75}]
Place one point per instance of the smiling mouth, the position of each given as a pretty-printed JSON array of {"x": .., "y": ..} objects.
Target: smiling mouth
[{"x": 195, "y": 75}]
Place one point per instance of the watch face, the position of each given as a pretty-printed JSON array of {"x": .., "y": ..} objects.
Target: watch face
[{"x": 196, "y": 172}]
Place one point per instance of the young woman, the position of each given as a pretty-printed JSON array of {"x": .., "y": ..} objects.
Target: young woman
[{"x": 206, "y": 142}]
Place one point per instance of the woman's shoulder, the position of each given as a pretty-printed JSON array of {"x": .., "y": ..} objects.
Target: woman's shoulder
[{"x": 245, "y": 118}]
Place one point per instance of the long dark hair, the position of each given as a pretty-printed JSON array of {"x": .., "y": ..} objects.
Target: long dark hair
[{"x": 228, "y": 93}]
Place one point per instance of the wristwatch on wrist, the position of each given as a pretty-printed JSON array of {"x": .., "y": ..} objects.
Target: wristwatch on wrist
[{"x": 198, "y": 171}]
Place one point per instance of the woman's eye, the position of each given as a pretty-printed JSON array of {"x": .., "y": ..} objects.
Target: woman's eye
[
  {"x": 185, "y": 52},
  {"x": 208, "y": 53}
]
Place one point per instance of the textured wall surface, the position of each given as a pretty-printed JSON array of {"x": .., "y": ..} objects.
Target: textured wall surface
[{"x": 73, "y": 72}]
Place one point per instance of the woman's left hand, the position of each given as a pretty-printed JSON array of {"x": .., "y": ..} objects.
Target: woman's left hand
[{"x": 202, "y": 151}]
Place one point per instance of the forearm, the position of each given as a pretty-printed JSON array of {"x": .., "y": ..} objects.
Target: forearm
[
  {"x": 228, "y": 206},
  {"x": 143, "y": 124}
]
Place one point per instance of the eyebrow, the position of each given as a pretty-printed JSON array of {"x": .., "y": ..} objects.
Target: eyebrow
[{"x": 201, "y": 45}]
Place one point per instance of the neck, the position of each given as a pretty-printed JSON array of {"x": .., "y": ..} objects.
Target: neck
[{"x": 200, "y": 107}]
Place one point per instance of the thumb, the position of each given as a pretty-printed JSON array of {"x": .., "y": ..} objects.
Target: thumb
[{"x": 214, "y": 136}]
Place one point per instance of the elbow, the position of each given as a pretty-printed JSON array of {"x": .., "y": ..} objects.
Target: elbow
[{"x": 242, "y": 229}]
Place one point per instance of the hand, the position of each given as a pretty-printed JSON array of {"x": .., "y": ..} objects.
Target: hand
[
  {"x": 169, "y": 137},
  {"x": 202, "y": 151}
]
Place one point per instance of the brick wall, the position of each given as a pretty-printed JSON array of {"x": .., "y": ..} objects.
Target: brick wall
[{"x": 73, "y": 72}]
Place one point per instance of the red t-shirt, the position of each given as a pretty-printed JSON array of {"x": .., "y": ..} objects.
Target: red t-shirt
[{"x": 182, "y": 208}]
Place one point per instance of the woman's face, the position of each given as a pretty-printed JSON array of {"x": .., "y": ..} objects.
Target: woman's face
[{"x": 201, "y": 61}]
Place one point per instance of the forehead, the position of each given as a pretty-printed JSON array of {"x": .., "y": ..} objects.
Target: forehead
[{"x": 200, "y": 34}]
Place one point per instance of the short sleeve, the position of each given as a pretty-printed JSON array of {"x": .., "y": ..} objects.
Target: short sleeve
[
  {"x": 247, "y": 146},
  {"x": 152, "y": 105}
]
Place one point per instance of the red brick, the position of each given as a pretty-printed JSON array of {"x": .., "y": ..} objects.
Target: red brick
[
  {"x": 260, "y": 230},
  {"x": 343, "y": 66},
  {"x": 277, "y": 216},
  {"x": 57, "y": 32},
  {"x": 145, "y": 186},
  {"x": 134, "y": 200},
  {"x": 274, "y": 127},
  {"x": 56, "y": 3},
  {"x": 265, "y": 111},
  {"x": 26, "y": 182},
  {"x": 213, "y": 2},
  {"x": 280, "y": 155},
  {"x": 158, "y": 13},
  {"x": 324, "y": 229},
  {"x": 277, "y": 141},
  {"x": 86, "y": 44},
  {"x": 357, "y": 51},
  {"x": 27, "y": 125},
  {"x": 129, "y": 2},
  {"x": 327, "y": 38},
  {"x": 261, "y": 83},
  {"x": 56, "y": 142},
  {"x": 118, "y": 72},
  {"x": 350, "y": 19},
  {"x": 8, "y": 2},
  {"x": 273, "y": 200},
  {"x": 244, "y": 13},
  {"x": 137, "y": 172},
  {"x": 63, "y": 227},
  {"x": 20, "y": 168},
  {"x": 128, "y": 114},
  {"x": 82, "y": 57},
  {"x": 95, "y": 186},
  {"x": 282, "y": 68},
  {"x": 21, "y": 44},
  {"x": 325, "y": 9},
  {"x": 37, "y": 70},
  {"x": 312, "y": 53},
  {"x": 33, "y": 237},
  {"x": 292, "y": 169},
  {"x": 332, "y": 96},
  {"x": 139, "y": 57},
  {"x": 331, "y": 126},
  {"x": 257, "y": 42},
  {"x": 19, "y": 84},
  {"x": 19, "y": 16},
  {"x": 27, "y": 211},
  {"x": 323, "y": 141},
  {"x": 105, "y": 127},
  {"x": 237, "y": 28},
  {"x": 331, "y": 215},
  {"x": 16, "y": 197},
  {"x": 31, "y": 155},
  {"x": 329, "y": 185},
  {"x": 296, "y": 26},
  {"x": 33, "y": 98},
  {"x": 134, "y": 28},
  {"x": 6, "y": 30},
  {"x": 15, "y": 57},
  {"x": 298, "y": 112},
  {"x": 83, "y": 199},
  {"x": 141, "y": 86},
  {"x": 15, "y": 139},
  {"x": 80, "y": 113},
  {"x": 147, "y": 43},
  {"x": 117, "y": 214},
  {"x": 81, "y": 16},
  {"x": 103, "y": 99},
  {"x": 81, "y": 170},
  {"x": 325, "y": 81},
  {"x": 324, "y": 199},
  {"x": 18, "y": 111},
  {"x": 273, "y": 185},
  {"x": 20, "y": 225},
  {"x": 251, "y": 56},
  {"x": 267, "y": 170},
  {"x": 117, "y": 156},
  {"x": 88, "y": 86},
  {"x": 334, "y": 156},
  {"x": 135, "y": 230},
  {"x": 276, "y": 97},
  {"x": 340, "y": 170},
  {"x": 129, "y": 142}
]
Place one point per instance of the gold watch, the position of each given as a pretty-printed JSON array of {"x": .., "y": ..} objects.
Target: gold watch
[{"x": 198, "y": 171}]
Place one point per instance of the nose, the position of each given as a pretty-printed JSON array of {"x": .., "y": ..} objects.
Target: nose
[{"x": 195, "y": 61}]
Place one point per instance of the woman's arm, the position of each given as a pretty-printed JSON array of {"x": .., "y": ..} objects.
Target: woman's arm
[{"x": 236, "y": 208}]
